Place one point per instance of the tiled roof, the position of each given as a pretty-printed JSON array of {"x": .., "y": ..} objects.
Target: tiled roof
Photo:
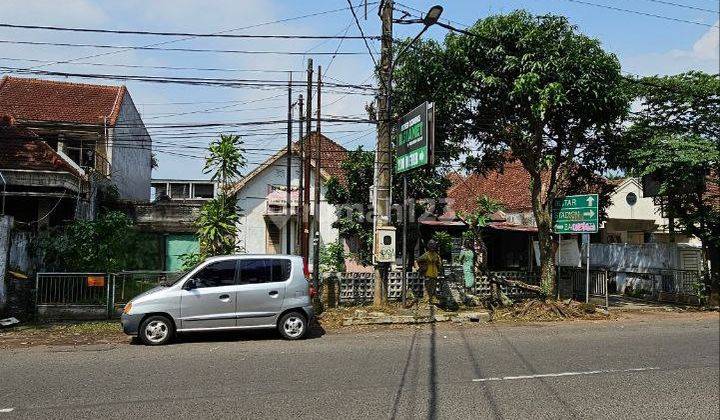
[
  {"x": 332, "y": 157},
  {"x": 22, "y": 149},
  {"x": 511, "y": 187},
  {"x": 48, "y": 100}
]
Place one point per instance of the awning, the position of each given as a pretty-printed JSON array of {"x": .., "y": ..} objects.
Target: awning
[{"x": 512, "y": 227}]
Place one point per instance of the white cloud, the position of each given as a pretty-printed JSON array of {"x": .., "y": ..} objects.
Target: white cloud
[{"x": 702, "y": 55}]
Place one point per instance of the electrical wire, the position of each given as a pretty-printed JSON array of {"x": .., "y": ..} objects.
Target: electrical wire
[
  {"x": 194, "y": 50},
  {"x": 638, "y": 12},
  {"x": 362, "y": 33},
  {"x": 186, "y": 34}
]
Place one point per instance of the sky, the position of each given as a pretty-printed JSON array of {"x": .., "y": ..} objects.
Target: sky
[{"x": 683, "y": 35}]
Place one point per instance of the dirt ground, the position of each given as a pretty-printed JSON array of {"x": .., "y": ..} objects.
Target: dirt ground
[{"x": 110, "y": 332}]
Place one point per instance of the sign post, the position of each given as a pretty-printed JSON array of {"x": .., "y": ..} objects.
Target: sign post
[
  {"x": 578, "y": 214},
  {"x": 414, "y": 140}
]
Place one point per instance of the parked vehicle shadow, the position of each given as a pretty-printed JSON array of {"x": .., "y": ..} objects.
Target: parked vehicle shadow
[{"x": 316, "y": 331}]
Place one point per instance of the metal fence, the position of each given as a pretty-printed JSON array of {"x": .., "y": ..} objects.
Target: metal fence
[
  {"x": 91, "y": 295},
  {"x": 593, "y": 287},
  {"x": 659, "y": 284},
  {"x": 359, "y": 287}
]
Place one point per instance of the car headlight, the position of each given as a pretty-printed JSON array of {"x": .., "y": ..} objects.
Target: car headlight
[{"x": 127, "y": 308}]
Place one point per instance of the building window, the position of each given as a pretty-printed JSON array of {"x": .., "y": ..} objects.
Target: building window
[
  {"x": 273, "y": 239},
  {"x": 179, "y": 191},
  {"x": 204, "y": 191},
  {"x": 160, "y": 189},
  {"x": 631, "y": 199}
]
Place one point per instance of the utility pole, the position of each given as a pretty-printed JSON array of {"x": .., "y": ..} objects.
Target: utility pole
[
  {"x": 316, "y": 219},
  {"x": 301, "y": 178},
  {"x": 305, "y": 232},
  {"x": 383, "y": 161},
  {"x": 288, "y": 171}
]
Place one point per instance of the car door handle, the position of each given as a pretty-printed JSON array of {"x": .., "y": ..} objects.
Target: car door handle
[
  {"x": 273, "y": 293},
  {"x": 224, "y": 297}
]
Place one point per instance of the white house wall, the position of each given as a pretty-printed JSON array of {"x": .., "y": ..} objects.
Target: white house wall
[
  {"x": 252, "y": 201},
  {"x": 130, "y": 156},
  {"x": 644, "y": 209}
]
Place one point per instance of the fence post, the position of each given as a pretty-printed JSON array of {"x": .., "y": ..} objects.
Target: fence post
[
  {"x": 108, "y": 299},
  {"x": 37, "y": 293}
]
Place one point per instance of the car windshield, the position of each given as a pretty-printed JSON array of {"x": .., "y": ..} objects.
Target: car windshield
[{"x": 174, "y": 278}]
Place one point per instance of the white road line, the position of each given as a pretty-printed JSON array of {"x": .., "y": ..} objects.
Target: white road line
[
  {"x": 556, "y": 375},
  {"x": 6, "y": 410}
]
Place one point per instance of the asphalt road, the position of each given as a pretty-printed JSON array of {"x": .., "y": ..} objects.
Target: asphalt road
[{"x": 629, "y": 369}]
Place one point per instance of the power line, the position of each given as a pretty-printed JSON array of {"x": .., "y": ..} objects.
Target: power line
[
  {"x": 190, "y": 37},
  {"x": 139, "y": 66},
  {"x": 187, "y": 34},
  {"x": 362, "y": 33},
  {"x": 224, "y": 82},
  {"x": 685, "y": 6},
  {"x": 637, "y": 12},
  {"x": 194, "y": 50}
]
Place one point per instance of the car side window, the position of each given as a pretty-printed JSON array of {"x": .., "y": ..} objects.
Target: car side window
[
  {"x": 221, "y": 273},
  {"x": 264, "y": 270}
]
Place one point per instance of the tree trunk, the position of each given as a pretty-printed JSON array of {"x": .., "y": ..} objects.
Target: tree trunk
[
  {"x": 541, "y": 209},
  {"x": 713, "y": 255}
]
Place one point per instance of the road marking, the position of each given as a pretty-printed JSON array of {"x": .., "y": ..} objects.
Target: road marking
[
  {"x": 556, "y": 375},
  {"x": 6, "y": 410}
]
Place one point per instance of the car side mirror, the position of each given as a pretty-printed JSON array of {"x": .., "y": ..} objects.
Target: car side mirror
[{"x": 190, "y": 284}]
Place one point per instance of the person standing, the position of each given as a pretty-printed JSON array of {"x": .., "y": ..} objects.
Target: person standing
[
  {"x": 467, "y": 259},
  {"x": 430, "y": 266}
]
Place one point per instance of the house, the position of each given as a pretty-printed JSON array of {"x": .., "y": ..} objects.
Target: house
[
  {"x": 97, "y": 126},
  {"x": 510, "y": 234},
  {"x": 170, "y": 217},
  {"x": 40, "y": 186},
  {"x": 261, "y": 197},
  {"x": 635, "y": 219}
]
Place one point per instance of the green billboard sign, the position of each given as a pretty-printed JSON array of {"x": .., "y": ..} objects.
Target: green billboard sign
[
  {"x": 576, "y": 214},
  {"x": 413, "y": 138}
]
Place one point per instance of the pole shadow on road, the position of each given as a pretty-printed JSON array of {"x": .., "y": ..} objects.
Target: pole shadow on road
[{"x": 551, "y": 390}]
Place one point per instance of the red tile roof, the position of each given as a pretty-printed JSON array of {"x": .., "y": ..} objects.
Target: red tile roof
[
  {"x": 331, "y": 157},
  {"x": 511, "y": 187},
  {"x": 23, "y": 149},
  {"x": 48, "y": 100}
]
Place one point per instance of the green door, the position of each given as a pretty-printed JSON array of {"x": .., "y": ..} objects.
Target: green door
[{"x": 175, "y": 246}]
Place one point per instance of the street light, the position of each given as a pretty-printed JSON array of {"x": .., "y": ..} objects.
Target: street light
[
  {"x": 431, "y": 18},
  {"x": 433, "y": 15}
]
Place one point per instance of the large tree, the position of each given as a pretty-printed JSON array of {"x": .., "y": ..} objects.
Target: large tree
[
  {"x": 530, "y": 88},
  {"x": 675, "y": 136}
]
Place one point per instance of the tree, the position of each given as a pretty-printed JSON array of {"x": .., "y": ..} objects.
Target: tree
[
  {"x": 531, "y": 88},
  {"x": 352, "y": 198},
  {"x": 217, "y": 223},
  {"x": 477, "y": 220},
  {"x": 107, "y": 244},
  {"x": 675, "y": 137}
]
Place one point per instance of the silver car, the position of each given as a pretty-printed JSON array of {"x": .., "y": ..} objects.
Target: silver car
[{"x": 226, "y": 293}]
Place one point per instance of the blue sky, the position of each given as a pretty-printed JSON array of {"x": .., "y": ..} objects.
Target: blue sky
[{"x": 644, "y": 44}]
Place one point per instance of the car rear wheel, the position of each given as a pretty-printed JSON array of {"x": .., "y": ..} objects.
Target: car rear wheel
[
  {"x": 156, "y": 330},
  {"x": 293, "y": 326}
]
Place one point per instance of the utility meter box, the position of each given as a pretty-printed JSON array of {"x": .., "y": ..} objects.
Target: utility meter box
[{"x": 385, "y": 244}]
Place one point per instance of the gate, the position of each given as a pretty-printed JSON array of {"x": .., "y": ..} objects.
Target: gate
[
  {"x": 83, "y": 296},
  {"x": 596, "y": 288},
  {"x": 72, "y": 295}
]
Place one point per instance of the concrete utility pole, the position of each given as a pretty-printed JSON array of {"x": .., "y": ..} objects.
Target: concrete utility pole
[
  {"x": 383, "y": 161},
  {"x": 301, "y": 178},
  {"x": 316, "y": 219},
  {"x": 288, "y": 171},
  {"x": 305, "y": 231}
]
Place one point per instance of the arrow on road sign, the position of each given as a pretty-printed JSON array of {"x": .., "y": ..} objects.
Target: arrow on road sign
[
  {"x": 590, "y": 201},
  {"x": 589, "y": 213}
]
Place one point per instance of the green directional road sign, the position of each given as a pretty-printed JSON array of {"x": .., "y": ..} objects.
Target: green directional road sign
[
  {"x": 413, "y": 138},
  {"x": 576, "y": 214}
]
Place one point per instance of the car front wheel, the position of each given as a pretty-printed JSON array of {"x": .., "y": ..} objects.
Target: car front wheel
[
  {"x": 156, "y": 330},
  {"x": 293, "y": 326}
]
